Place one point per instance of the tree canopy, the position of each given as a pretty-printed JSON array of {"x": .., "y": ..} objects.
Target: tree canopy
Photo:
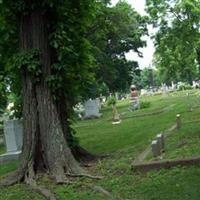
[
  {"x": 115, "y": 31},
  {"x": 177, "y": 38},
  {"x": 91, "y": 53}
]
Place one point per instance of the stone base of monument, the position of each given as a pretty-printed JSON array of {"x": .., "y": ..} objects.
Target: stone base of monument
[
  {"x": 93, "y": 116},
  {"x": 116, "y": 117},
  {"x": 117, "y": 122},
  {"x": 10, "y": 156}
]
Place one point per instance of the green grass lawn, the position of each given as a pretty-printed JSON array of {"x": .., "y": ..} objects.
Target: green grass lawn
[
  {"x": 2, "y": 149},
  {"x": 184, "y": 142},
  {"x": 124, "y": 142}
]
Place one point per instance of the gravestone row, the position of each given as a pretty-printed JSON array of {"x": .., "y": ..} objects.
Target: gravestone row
[{"x": 158, "y": 145}]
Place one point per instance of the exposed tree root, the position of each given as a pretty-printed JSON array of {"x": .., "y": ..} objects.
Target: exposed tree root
[
  {"x": 41, "y": 190},
  {"x": 10, "y": 179},
  {"x": 85, "y": 175},
  {"x": 30, "y": 180},
  {"x": 61, "y": 180},
  {"x": 103, "y": 191}
]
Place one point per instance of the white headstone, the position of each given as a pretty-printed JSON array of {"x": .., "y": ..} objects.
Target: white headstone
[
  {"x": 164, "y": 88},
  {"x": 195, "y": 84},
  {"x": 160, "y": 140},
  {"x": 13, "y": 131},
  {"x": 143, "y": 92},
  {"x": 98, "y": 102},
  {"x": 173, "y": 86},
  {"x": 91, "y": 109}
]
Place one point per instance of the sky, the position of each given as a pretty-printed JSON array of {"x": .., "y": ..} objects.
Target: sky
[{"x": 148, "y": 51}]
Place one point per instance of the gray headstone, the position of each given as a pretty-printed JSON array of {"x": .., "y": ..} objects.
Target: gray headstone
[
  {"x": 155, "y": 148},
  {"x": 160, "y": 140},
  {"x": 13, "y": 131},
  {"x": 164, "y": 88},
  {"x": 13, "y": 134},
  {"x": 135, "y": 103},
  {"x": 173, "y": 86},
  {"x": 91, "y": 109},
  {"x": 178, "y": 121}
]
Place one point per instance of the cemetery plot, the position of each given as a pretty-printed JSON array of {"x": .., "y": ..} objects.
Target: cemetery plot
[
  {"x": 125, "y": 142},
  {"x": 184, "y": 142},
  {"x": 159, "y": 156}
]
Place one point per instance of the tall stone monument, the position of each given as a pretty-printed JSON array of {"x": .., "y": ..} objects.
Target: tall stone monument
[{"x": 13, "y": 134}]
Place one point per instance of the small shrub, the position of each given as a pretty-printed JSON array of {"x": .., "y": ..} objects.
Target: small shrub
[
  {"x": 144, "y": 104},
  {"x": 111, "y": 101},
  {"x": 184, "y": 86}
]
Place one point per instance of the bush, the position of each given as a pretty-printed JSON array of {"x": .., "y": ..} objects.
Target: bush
[
  {"x": 111, "y": 101},
  {"x": 184, "y": 86},
  {"x": 144, "y": 104}
]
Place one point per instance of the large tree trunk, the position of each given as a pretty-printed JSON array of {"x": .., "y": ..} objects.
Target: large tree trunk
[
  {"x": 78, "y": 152},
  {"x": 45, "y": 146}
]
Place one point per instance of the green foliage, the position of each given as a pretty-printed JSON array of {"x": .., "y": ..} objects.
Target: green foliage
[
  {"x": 111, "y": 101},
  {"x": 146, "y": 78},
  {"x": 28, "y": 61},
  {"x": 16, "y": 110},
  {"x": 8, "y": 168},
  {"x": 149, "y": 77},
  {"x": 114, "y": 32},
  {"x": 3, "y": 95},
  {"x": 73, "y": 71},
  {"x": 145, "y": 104},
  {"x": 72, "y": 63},
  {"x": 177, "y": 38},
  {"x": 89, "y": 41},
  {"x": 19, "y": 63},
  {"x": 184, "y": 86}
]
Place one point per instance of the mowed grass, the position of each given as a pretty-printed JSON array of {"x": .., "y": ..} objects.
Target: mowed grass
[
  {"x": 2, "y": 149},
  {"x": 184, "y": 142},
  {"x": 124, "y": 142}
]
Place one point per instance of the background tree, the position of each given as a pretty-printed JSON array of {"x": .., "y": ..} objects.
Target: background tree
[
  {"x": 146, "y": 78},
  {"x": 177, "y": 38},
  {"x": 114, "y": 32},
  {"x": 3, "y": 94}
]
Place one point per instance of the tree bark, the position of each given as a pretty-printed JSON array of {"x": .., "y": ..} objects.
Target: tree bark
[
  {"x": 45, "y": 146},
  {"x": 78, "y": 152}
]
